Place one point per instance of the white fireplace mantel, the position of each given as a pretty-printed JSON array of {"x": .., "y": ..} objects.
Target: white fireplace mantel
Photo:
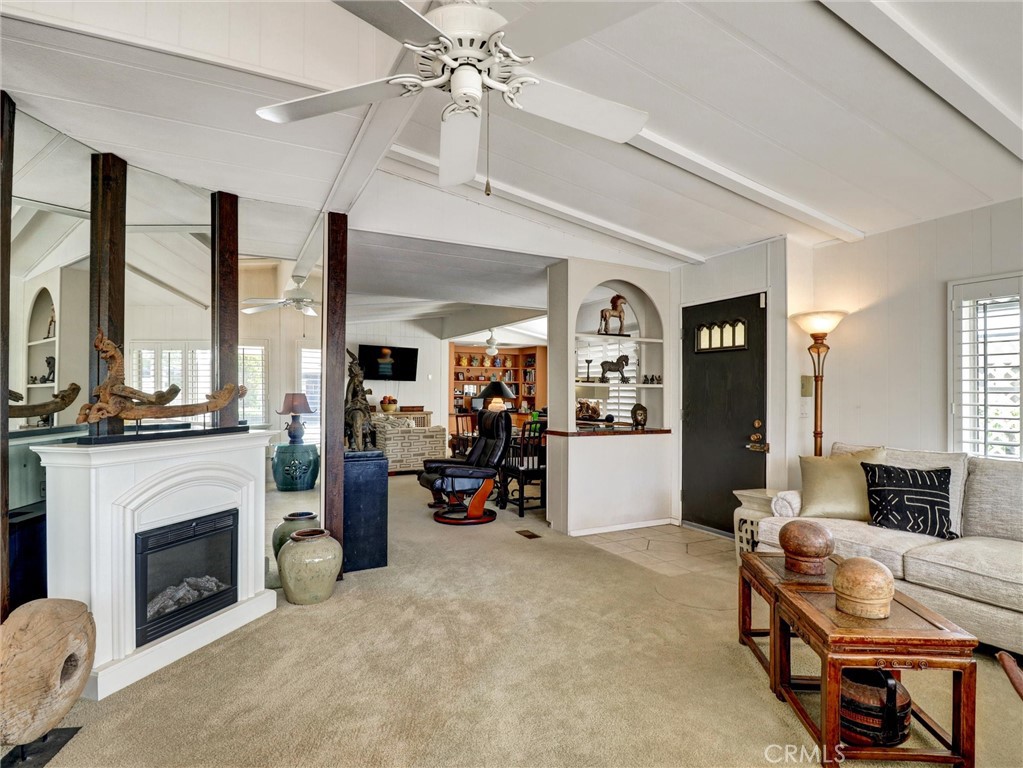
[{"x": 99, "y": 497}]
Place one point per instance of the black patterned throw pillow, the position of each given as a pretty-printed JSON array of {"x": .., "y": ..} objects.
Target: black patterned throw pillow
[{"x": 914, "y": 500}]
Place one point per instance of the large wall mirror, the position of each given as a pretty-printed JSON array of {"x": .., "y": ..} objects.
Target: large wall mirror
[{"x": 167, "y": 326}]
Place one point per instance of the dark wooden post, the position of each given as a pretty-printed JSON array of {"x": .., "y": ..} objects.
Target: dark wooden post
[
  {"x": 106, "y": 268},
  {"x": 332, "y": 392},
  {"x": 7, "y": 110},
  {"x": 224, "y": 300}
]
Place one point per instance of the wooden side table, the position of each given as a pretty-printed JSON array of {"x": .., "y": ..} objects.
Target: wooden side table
[
  {"x": 763, "y": 573},
  {"x": 912, "y": 637}
]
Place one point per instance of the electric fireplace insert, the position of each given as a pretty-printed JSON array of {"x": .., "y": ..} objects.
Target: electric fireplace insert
[{"x": 184, "y": 572}]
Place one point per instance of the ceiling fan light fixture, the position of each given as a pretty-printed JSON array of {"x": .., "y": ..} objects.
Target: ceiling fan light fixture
[{"x": 491, "y": 344}]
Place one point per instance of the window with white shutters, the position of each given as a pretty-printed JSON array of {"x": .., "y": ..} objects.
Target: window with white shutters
[
  {"x": 985, "y": 360},
  {"x": 156, "y": 365},
  {"x": 252, "y": 372},
  {"x": 309, "y": 371},
  {"x": 616, "y": 398}
]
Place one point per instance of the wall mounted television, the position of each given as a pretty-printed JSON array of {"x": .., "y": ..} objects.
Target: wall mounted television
[{"x": 382, "y": 362}]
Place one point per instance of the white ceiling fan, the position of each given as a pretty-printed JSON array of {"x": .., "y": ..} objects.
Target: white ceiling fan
[
  {"x": 460, "y": 48},
  {"x": 297, "y": 297}
]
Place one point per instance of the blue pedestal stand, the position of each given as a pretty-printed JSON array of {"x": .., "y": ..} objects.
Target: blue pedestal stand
[{"x": 365, "y": 515}]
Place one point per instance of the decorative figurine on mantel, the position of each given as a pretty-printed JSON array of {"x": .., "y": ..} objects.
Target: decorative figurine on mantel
[
  {"x": 617, "y": 310},
  {"x": 51, "y": 370},
  {"x": 51, "y": 328},
  {"x": 614, "y": 366},
  {"x": 358, "y": 426},
  {"x": 114, "y": 399}
]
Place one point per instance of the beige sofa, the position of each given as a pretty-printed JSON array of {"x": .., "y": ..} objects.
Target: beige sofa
[
  {"x": 975, "y": 581},
  {"x": 406, "y": 445}
]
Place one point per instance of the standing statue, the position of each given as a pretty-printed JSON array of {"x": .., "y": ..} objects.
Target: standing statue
[
  {"x": 358, "y": 426},
  {"x": 617, "y": 310}
]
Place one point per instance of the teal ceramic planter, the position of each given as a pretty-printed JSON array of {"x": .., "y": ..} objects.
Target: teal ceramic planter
[
  {"x": 309, "y": 562},
  {"x": 293, "y": 521},
  {"x": 295, "y": 467}
]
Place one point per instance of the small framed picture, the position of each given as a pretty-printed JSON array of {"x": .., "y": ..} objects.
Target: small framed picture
[{"x": 459, "y": 376}]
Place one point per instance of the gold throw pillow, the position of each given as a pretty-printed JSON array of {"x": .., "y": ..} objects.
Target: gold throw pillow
[{"x": 836, "y": 486}]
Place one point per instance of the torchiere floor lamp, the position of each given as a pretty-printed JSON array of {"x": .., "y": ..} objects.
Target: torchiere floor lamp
[{"x": 818, "y": 325}]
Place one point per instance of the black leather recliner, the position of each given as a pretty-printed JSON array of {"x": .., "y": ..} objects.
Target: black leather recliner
[{"x": 460, "y": 488}]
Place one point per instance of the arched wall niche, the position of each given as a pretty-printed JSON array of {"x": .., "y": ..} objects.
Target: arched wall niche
[
  {"x": 641, "y": 316},
  {"x": 642, "y": 345}
]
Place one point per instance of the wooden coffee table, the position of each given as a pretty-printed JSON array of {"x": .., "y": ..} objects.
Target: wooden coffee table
[
  {"x": 763, "y": 573},
  {"x": 912, "y": 637}
]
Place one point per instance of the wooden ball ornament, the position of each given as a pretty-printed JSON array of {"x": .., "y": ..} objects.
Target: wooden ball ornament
[
  {"x": 864, "y": 587},
  {"x": 807, "y": 546}
]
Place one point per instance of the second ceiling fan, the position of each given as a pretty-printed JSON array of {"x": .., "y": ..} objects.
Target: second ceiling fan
[{"x": 460, "y": 48}]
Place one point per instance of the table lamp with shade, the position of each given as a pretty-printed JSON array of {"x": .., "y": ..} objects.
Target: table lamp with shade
[
  {"x": 295, "y": 403},
  {"x": 496, "y": 392},
  {"x": 818, "y": 325}
]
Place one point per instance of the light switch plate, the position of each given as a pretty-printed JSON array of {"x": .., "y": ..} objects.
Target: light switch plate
[{"x": 806, "y": 386}]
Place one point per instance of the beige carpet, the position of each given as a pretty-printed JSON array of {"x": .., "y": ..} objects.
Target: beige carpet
[{"x": 478, "y": 647}]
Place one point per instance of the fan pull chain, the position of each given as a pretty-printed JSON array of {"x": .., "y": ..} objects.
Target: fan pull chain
[{"x": 486, "y": 189}]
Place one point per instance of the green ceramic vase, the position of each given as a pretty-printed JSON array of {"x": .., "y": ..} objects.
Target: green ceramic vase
[
  {"x": 293, "y": 521},
  {"x": 309, "y": 562}
]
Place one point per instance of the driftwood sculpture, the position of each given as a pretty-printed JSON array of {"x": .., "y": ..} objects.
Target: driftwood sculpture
[
  {"x": 617, "y": 310},
  {"x": 117, "y": 400},
  {"x": 46, "y": 652},
  {"x": 60, "y": 401}
]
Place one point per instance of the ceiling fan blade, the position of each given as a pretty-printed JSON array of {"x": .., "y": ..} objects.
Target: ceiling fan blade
[
  {"x": 331, "y": 101},
  {"x": 459, "y": 145},
  {"x": 261, "y": 301},
  {"x": 581, "y": 110},
  {"x": 309, "y": 311},
  {"x": 552, "y": 25},
  {"x": 263, "y": 308},
  {"x": 395, "y": 18}
]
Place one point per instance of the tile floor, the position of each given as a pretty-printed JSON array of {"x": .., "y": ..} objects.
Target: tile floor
[{"x": 668, "y": 549}]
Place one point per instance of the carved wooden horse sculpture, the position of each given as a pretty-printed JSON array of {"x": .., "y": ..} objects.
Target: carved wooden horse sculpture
[
  {"x": 617, "y": 310},
  {"x": 614, "y": 366}
]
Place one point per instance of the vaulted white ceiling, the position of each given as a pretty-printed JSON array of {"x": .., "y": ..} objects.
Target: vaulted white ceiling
[{"x": 804, "y": 119}]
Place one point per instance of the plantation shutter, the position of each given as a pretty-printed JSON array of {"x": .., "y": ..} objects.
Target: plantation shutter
[
  {"x": 985, "y": 355},
  {"x": 309, "y": 370},
  {"x": 252, "y": 374},
  {"x": 616, "y": 399}
]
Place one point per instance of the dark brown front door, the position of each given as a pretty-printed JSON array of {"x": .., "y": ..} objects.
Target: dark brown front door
[{"x": 724, "y": 364}]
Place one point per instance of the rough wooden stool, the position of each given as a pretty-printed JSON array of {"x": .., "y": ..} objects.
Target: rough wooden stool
[{"x": 47, "y": 648}]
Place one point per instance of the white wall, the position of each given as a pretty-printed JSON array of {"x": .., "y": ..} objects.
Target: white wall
[
  {"x": 885, "y": 377},
  {"x": 429, "y": 388},
  {"x": 638, "y": 475}
]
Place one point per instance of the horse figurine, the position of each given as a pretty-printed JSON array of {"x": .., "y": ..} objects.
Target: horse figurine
[
  {"x": 614, "y": 366},
  {"x": 617, "y": 310}
]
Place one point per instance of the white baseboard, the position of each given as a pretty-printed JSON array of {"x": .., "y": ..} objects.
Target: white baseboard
[{"x": 623, "y": 527}]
